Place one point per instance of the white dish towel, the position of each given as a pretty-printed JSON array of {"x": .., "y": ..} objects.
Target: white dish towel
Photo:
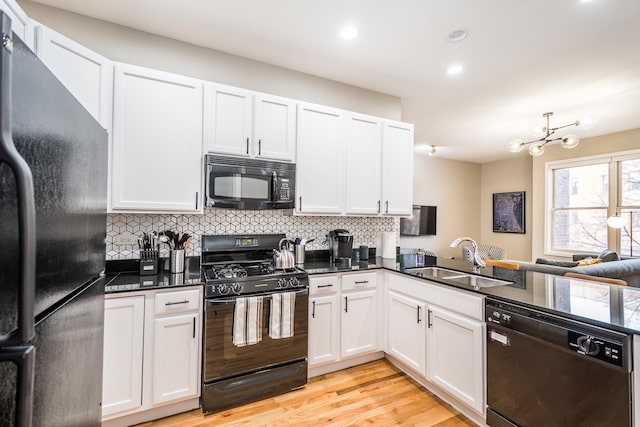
[
  {"x": 281, "y": 322},
  {"x": 247, "y": 321}
]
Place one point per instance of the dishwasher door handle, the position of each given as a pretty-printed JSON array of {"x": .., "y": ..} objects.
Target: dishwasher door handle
[{"x": 499, "y": 337}]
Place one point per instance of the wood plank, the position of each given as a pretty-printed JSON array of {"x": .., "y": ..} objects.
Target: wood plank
[{"x": 376, "y": 393}]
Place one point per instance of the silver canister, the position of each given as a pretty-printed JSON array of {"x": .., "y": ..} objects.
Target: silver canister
[
  {"x": 299, "y": 253},
  {"x": 176, "y": 260}
]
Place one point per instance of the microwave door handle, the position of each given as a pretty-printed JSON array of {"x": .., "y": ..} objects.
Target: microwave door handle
[{"x": 274, "y": 184}]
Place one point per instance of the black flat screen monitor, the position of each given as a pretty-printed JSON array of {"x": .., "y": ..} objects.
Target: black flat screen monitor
[{"x": 422, "y": 222}]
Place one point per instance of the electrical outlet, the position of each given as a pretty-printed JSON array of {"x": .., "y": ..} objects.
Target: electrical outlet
[{"x": 125, "y": 239}]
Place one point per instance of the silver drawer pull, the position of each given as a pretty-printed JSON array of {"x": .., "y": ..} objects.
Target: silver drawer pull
[
  {"x": 361, "y": 282},
  {"x": 177, "y": 302},
  {"x": 324, "y": 286}
]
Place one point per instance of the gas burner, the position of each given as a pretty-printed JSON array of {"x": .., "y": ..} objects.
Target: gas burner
[{"x": 231, "y": 271}]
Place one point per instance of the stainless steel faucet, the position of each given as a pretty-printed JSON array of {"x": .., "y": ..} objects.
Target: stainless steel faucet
[{"x": 478, "y": 262}]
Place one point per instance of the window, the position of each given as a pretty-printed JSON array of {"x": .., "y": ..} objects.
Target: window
[{"x": 583, "y": 194}]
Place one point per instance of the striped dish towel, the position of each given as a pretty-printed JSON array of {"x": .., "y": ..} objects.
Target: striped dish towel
[
  {"x": 281, "y": 322},
  {"x": 247, "y": 321}
]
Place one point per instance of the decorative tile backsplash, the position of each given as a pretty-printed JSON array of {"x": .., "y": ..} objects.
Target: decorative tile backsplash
[{"x": 124, "y": 229}]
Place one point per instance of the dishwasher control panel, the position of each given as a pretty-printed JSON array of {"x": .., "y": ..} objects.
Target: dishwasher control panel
[{"x": 595, "y": 347}]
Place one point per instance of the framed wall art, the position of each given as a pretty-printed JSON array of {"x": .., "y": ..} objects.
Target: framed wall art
[{"x": 508, "y": 212}]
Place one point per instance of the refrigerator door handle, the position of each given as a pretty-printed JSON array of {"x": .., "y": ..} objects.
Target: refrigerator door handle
[
  {"x": 25, "y": 330},
  {"x": 24, "y": 357}
]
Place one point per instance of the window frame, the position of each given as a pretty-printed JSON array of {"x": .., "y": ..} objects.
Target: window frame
[{"x": 614, "y": 197}]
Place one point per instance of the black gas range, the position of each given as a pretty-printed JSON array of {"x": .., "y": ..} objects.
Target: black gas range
[
  {"x": 242, "y": 265},
  {"x": 256, "y": 322}
]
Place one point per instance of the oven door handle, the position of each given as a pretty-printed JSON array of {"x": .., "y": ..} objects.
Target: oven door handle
[{"x": 232, "y": 300}]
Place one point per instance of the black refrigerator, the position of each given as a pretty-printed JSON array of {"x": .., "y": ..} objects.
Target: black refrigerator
[{"x": 53, "y": 187}]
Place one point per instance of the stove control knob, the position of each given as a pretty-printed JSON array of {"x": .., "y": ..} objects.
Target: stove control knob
[
  {"x": 282, "y": 283},
  {"x": 587, "y": 345},
  {"x": 236, "y": 288},
  {"x": 294, "y": 282},
  {"x": 223, "y": 289}
]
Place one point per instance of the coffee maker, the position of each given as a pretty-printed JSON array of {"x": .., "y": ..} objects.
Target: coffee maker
[{"x": 340, "y": 247}]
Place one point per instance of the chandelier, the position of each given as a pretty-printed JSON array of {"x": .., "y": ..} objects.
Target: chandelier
[{"x": 536, "y": 147}]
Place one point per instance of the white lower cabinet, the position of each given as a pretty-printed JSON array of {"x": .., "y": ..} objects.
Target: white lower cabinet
[
  {"x": 151, "y": 354},
  {"x": 445, "y": 346},
  {"x": 358, "y": 332},
  {"x": 455, "y": 355},
  {"x": 406, "y": 330},
  {"x": 122, "y": 367},
  {"x": 343, "y": 313},
  {"x": 175, "y": 361}
]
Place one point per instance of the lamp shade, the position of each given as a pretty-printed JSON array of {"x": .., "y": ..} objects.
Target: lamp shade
[
  {"x": 536, "y": 150},
  {"x": 516, "y": 145},
  {"x": 615, "y": 221},
  {"x": 569, "y": 141}
]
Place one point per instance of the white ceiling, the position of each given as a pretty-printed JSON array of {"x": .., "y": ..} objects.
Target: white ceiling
[{"x": 521, "y": 58}]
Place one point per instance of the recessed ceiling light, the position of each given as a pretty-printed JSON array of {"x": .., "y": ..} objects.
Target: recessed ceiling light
[
  {"x": 457, "y": 35},
  {"x": 349, "y": 33},
  {"x": 454, "y": 69}
]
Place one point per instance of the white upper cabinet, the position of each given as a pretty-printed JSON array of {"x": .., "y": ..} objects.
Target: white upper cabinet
[
  {"x": 245, "y": 123},
  {"x": 320, "y": 184},
  {"x": 397, "y": 168},
  {"x": 157, "y": 141},
  {"x": 363, "y": 165},
  {"x": 86, "y": 74},
  {"x": 20, "y": 22}
]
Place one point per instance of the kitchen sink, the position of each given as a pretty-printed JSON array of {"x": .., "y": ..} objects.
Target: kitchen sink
[{"x": 444, "y": 274}]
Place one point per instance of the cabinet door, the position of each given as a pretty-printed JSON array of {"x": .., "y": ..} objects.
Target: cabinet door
[
  {"x": 20, "y": 24},
  {"x": 87, "y": 75},
  {"x": 324, "y": 330},
  {"x": 228, "y": 120},
  {"x": 157, "y": 141},
  {"x": 455, "y": 356},
  {"x": 176, "y": 352},
  {"x": 397, "y": 168},
  {"x": 320, "y": 184},
  {"x": 363, "y": 165},
  {"x": 358, "y": 324},
  {"x": 274, "y": 128},
  {"x": 406, "y": 330},
  {"x": 122, "y": 366}
]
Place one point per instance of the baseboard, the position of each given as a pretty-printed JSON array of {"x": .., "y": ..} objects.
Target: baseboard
[
  {"x": 344, "y": 364},
  {"x": 153, "y": 414}
]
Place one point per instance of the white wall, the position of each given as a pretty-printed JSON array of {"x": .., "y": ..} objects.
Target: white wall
[
  {"x": 503, "y": 176},
  {"x": 454, "y": 187},
  {"x": 124, "y": 44}
]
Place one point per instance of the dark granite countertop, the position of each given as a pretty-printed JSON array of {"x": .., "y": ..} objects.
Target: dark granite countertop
[
  {"x": 601, "y": 304},
  {"x": 124, "y": 276}
]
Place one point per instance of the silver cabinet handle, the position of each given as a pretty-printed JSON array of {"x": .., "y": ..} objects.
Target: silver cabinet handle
[
  {"x": 177, "y": 302},
  {"x": 196, "y": 200},
  {"x": 247, "y": 145},
  {"x": 300, "y": 203},
  {"x": 360, "y": 282},
  {"x": 313, "y": 309},
  {"x": 325, "y": 286},
  {"x": 259, "y": 147},
  {"x": 418, "y": 312},
  {"x": 379, "y": 204},
  {"x": 429, "y": 323},
  {"x": 346, "y": 305},
  {"x": 386, "y": 207},
  {"x": 194, "y": 327}
]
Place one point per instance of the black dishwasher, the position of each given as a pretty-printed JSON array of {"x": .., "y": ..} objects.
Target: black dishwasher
[{"x": 545, "y": 370}]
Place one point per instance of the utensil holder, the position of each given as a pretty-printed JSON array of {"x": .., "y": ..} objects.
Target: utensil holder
[{"x": 176, "y": 260}]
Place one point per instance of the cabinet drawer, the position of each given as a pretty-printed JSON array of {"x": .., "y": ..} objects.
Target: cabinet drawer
[
  {"x": 324, "y": 285},
  {"x": 359, "y": 281},
  {"x": 177, "y": 302}
]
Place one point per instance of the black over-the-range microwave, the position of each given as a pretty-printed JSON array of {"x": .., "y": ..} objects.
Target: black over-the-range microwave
[{"x": 241, "y": 183}]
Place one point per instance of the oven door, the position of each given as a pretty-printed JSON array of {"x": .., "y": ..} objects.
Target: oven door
[{"x": 223, "y": 359}]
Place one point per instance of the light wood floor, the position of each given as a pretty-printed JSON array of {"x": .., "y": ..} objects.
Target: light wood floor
[{"x": 376, "y": 393}]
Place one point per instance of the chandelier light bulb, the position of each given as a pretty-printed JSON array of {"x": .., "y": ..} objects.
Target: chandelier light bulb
[
  {"x": 615, "y": 221},
  {"x": 516, "y": 145},
  {"x": 570, "y": 141},
  {"x": 540, "y": 131},
  {"x": 536, "y": 150}
]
